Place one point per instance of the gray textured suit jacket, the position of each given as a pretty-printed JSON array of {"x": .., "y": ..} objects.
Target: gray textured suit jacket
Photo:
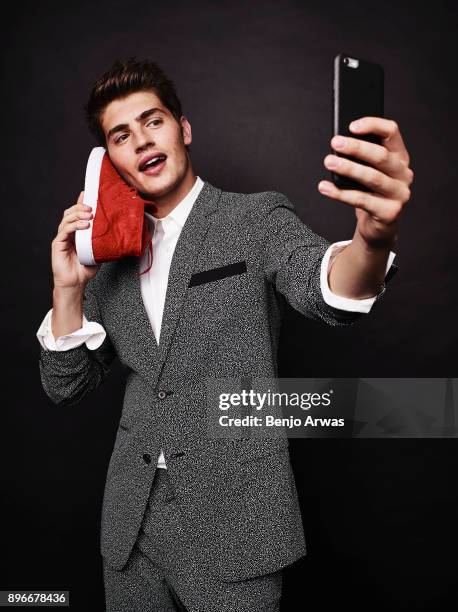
[{"x": 239, "y": 497}]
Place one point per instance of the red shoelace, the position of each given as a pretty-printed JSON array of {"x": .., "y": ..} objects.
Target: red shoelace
[{"x": 150, "y": 256}]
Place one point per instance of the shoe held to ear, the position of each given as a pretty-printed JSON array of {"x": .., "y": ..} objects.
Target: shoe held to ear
[{"x": 118, "y": 227}]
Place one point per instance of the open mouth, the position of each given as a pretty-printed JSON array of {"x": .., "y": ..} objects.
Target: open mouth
[{"x": 153, "y": 163}]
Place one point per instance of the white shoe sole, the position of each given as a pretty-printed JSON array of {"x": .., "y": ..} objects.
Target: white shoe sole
[{"x": 83, "y": 236}]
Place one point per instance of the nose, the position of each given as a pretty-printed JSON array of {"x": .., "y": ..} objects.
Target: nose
[{"x": 142, "y": 139}]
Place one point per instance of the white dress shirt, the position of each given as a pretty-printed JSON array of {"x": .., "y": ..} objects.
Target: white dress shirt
[{"x": 166, "y": 232}]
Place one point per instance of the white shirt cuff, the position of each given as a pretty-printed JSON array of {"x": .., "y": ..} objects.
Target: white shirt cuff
[
  {"x": 91, "y": 333},
  {"x": 339, "y": 301}
]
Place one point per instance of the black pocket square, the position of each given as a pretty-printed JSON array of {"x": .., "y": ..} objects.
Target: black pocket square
[{"x": 207, "y": 276}]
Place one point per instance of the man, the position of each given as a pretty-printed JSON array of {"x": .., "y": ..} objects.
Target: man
[{"x": 190, "y": 521}]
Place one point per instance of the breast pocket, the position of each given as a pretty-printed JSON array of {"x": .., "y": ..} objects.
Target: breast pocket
[
  {"x": 215, "y": 274},
  {"x": 220, "y": 290}
]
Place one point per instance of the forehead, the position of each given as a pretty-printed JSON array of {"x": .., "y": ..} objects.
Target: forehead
[{"x": 124, "y": 110}]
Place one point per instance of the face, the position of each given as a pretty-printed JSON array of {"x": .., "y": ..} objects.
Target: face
[{"x": 134, "y": 132}]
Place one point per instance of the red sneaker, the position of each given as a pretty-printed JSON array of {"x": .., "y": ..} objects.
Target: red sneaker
[{"x": 118, "y": 227}]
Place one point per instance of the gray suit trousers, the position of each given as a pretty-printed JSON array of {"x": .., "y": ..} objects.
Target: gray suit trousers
[{"x": 163, "y": 572}]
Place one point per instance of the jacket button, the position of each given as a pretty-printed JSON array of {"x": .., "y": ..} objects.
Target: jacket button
[
  {"x": 147, "y": 458},
  {"x": 162, "y": 394}
]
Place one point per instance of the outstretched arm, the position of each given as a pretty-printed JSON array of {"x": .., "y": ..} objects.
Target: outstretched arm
[{"x": 359, "y": 269}]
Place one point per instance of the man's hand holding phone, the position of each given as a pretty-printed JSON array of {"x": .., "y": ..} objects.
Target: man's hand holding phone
[{"x": 388, "y": 177}]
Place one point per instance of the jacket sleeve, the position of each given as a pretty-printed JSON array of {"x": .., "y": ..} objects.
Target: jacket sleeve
[
  {"x": 68, "y": 376},
  {"x": 291, "y": 260}
]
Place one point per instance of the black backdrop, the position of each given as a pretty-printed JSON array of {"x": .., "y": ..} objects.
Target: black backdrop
[{"x": 255, "y": 80}]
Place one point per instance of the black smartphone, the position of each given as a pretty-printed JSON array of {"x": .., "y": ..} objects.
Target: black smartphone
[{"x": 358, "y": 92}]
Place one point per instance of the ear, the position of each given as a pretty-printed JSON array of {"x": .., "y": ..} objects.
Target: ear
[{"x": 186, "y": 130}]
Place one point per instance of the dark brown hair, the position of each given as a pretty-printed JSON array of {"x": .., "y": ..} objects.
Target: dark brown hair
[{"x": 123, "y": 78}]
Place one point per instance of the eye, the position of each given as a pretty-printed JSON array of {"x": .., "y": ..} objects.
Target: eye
[{"x": 154, "y": 121}]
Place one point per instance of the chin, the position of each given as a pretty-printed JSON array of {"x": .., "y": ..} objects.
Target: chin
[{"x": 153, "y": 191}]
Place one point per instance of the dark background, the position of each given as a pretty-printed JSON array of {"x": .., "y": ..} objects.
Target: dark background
[{"x": 255, "y": 81}]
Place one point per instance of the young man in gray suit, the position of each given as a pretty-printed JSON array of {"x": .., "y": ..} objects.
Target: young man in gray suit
[{"x": 190, "y": 521}]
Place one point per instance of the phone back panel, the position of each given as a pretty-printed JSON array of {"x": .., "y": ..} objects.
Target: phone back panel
[{"x": 358, "y": 92}]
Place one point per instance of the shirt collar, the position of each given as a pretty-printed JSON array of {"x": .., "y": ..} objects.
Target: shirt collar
[{"x": 181, "y": 211}]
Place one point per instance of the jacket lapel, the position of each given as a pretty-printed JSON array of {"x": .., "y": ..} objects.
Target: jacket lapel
[{"x": 150, "y": 356}]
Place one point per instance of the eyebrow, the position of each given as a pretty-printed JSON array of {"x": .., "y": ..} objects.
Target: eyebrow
[{"x": 123, "y": 126}]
